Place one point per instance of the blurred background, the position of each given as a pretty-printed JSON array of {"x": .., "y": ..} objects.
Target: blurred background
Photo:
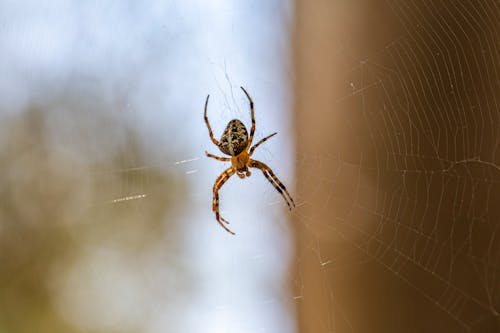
[
  {"x": 106, "y": 222},
  {"x": 388, "y": 119}
]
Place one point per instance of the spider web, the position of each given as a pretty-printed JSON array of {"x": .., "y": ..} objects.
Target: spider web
[
  {"x": 396, "y": 220},
  {"x": 416, "y": 193}
]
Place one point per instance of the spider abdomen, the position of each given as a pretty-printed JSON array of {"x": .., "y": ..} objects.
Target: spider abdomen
[{"x": 234, "y": 139}]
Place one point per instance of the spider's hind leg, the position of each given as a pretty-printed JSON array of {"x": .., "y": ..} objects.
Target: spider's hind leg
[
  {"x": 214, "y": 140},
  {"x": 261, "y": 142},
  {"x": 218, "y": 158},
  {"x": 252, "y": 114}
]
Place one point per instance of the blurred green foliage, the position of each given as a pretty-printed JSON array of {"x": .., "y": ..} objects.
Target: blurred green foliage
[{"x": 59, "y": 201}]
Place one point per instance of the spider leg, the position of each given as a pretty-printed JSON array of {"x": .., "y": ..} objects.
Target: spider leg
[
  {"x": 271, "y": 177},
  {"x": 214, "y": 140},
  {"x": 223, "y": 159},
  {"x": 280, "y": 188},
  {"x": 215, "y": 205},
  {"x": 261, "y": 142},
  {"x": 223, "y": 177},
  {"x": 252, "y": 130}
]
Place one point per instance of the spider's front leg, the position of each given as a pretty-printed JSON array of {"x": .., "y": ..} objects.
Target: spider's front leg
[
  {"x": 218, "y": 158},
  {"x": 217, "y": 186},
  {"x": 274, "y": 180}
]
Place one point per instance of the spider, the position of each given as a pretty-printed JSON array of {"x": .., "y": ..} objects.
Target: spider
[{"x": 236, "y": 143}]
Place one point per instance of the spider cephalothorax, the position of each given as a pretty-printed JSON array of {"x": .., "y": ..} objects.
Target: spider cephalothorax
[{"x": 236, "y": 143}]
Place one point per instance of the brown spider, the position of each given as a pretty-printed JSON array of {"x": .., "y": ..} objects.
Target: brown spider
[{"x": 236, "y": 143}]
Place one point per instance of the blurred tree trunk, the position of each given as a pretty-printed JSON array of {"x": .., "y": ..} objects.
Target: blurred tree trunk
[{"x": 364, "y": 182}]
